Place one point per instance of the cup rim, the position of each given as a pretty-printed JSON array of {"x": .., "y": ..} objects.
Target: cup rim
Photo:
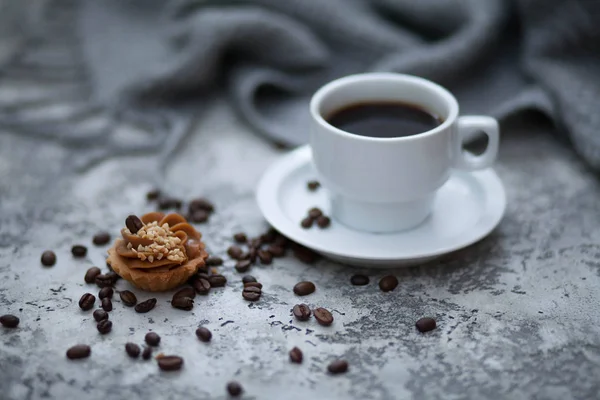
[{"x": 317, "y": 100}]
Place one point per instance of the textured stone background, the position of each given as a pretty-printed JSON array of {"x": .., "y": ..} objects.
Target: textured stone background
[{"x": 518, "y": 312}]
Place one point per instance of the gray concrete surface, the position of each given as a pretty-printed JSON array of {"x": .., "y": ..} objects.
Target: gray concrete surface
[{"x": 517, "y": 313}]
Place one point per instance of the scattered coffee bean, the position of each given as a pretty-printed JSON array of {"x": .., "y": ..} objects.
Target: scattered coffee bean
[
  {"x": 203, "y": 334},
  {"x": 153, "y": 194},
  {"x": 145, "y": 306},
  {"x": 147, "y": 353},
  {"x": 359, "y": 280},
  {"x": 323, "y": 316},
  {"x": 106, "y": 292},
  {"x": 201, "y": 285},
  {"x": 307, "y": 222},
  {"x": 185, "y": 292},
  {"x": 104, "y": 280},
  {"x": 199, "y": 216},
  {"x": 323, "y": 221},
  {"x": 91, "y": 274},
  {"x": 240, "y": 237},
  {"x": 253, "y": 284},
  {"x": 304, "y": 288},
  {"x": 132, "y": 349},
  {"x": 9, "y": 321},
  {"x": 48, "y": 258},
  {"x": 101, "y": 238},
  {"x": 315, "y": 212},
  {"x": 104, "y": 326},
  {"x": 426, "y": 324},
  {"x": 276, "y": 250},
  {"x": 243, "y": 265},
  {"x": 301, "y": 312},
  {"x": 182, "y": 303},
  {"x": 165, "y": 203},
  {"x": 251, "y": 293},
  {"x": 214, "y": 261},
  {"x": 388, "y": 283},
  {"x": 265, "y": 257},
  {"x": 280, "y": 240},
  {"x": 152, "y": 339},
  {"x": 217, "y": 280},
  {"x": 79, "y": 250},
  {"x": 100, "y": 315},
  {"x": 248, "y": 278},
  {"x": 79, "y": 351},
  {"x": 338, "y": 367},
  {"x": 255, "y": 243},
  {"x": 113, "y": 276},
  {"x": 107, "y": 304},
  {"x": 296, "y": 355},
  {"x": 252, "y": 254},
  {"x": 305, "y": 254},
  {"x": 201, "y": 204},
  {"x": 269, "y": 236},
  {"x": 235, "y": 252},
  {"x": 133, "y": 223},
  {"x": 234, "y": 389},
  {"x": 87, "y": 301},
  {"x": 170, "y": 363},
  {"x": 313, "y": 185},
  {"x": 128, "y": 298}
]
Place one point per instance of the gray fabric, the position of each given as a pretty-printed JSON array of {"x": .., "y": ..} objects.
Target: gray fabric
[{"x": 151, "y": 64}]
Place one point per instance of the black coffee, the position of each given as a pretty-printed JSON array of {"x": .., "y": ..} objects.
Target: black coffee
[{"x": 384, "y": 119}]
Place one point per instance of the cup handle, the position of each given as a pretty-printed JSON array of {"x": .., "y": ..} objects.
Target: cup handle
[{"x": 466, "y": 127}]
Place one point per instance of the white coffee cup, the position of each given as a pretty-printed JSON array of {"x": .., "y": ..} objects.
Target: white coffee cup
[{"x": 389, "y": 184}]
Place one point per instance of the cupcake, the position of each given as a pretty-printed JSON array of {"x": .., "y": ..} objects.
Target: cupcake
[{"x": 157, "y": 252}]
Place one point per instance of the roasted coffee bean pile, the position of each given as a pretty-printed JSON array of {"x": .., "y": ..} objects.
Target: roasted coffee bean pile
[{"x": 315, "y": 216}]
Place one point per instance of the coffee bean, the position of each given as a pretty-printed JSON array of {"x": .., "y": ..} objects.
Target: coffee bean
[
  {"x": 201, "y": 285},
  {"x": 338, "y": 367},
  {"x": 185, "y": 292},
  {"x": 269, "y": 236},
  {"x": 251, "y": 293},
  {"x": 132, "y": 349},
  {"x": 79, "y": 250},
  {"x": 307, "y": 222},
  {"x": 426, "y": 324},
  {"x": 243, "y": 266},
  {"x": 133, "y": 223},
  {"x": 217, "y": 280},
  {"x": 201, "y": 204},
  {"x": 276, "y": 250},
  {"x": 253, "y": 284},
  {"x": 252, "y": 254},
  {"x": 255, "y": 243},
  {"x": 153, "y": 194},
  {"x": 199, "y": 216},
  {"x": 101, "y": 238},
  {"x": 323, "y": 316},
  {"x": 313, "y": 185},
  {"x": 234, "y": 389},
  {"x": 87, "y": 301},
  {"x": 91, "y": 274},
  {"x": 147, "y": 353},
  {"x": 9, "y": 321},
  {"x": 235, "y": 252},
  {"x": 301, "y": 312},
  {"x": 359, "y": 280},
  {"x": 165, "y": 203},
  {"x": 104, "y": 280},
  {"x": 323, "y": 221},
  {"x": 214, "y": 261},
  {"x": 128, "y": 298},
  {"x": 48, "y": 258},
  {"x": 252, "y": 289},
  {"x": 182, "y": 303},
  {"x": 240, "y": 237},
  {"x": 315, "y": 212},
  {"x": 100, "y": 315},
  {"x": 248, "y": 278},
  {"x": 104, "y": 326},
  {"x": 388, "y": 283},
  {"x": 296, "y": 355},
  {"x": 170, "y": 363},
  {"x": 106, "y": 292},
  {"x": 152, "y": 339},
  {"x": 79, "y": 351},
  {"x": 304, "y": 288},
  {"x": 305, "y": 254},
  {"x": 203, "y": 334},
  {"x": 280, "y": 240},
  {"x": 265, "y": 257},
  {"x": 145, "y": 306},
  {"x": 113, "y": 276},
  {"x": 107, "y": 304}
]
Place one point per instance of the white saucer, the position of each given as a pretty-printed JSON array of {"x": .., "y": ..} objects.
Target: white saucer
[{"x": 466, "y": 209}]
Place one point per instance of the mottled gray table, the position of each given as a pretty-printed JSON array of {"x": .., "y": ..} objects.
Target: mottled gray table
[{"x": 518, "y": 313}]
